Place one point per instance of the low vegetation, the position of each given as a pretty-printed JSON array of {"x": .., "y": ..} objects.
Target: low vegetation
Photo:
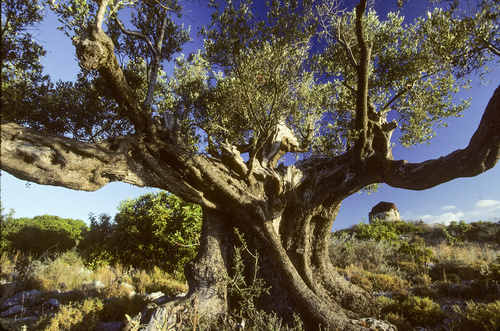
[{"x": 442, "y": 277}]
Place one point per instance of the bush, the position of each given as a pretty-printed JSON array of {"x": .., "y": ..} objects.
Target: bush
[
  {"x": 422, "y": 311},
  {"x": 377, "y": 230},
  {"x": 399, "y": 321},
  {"x": 385, "y": 283},
  {"x": 370, "y": 255},
  {"x": 42, "y": 234},
  {"x": 456, "y": 271},
  {"x": 388, "y": 305},
  {"x": 478, "y": 316},
  {"x": 78, "y": 316},
  {"x": 157, "y": 229}
]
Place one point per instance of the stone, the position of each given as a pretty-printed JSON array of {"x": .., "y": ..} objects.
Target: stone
[
  {"x": 12, "y": 311},
  {"x": 54, "y": 302},
  {"x": 98, "y": 285},
  {"x": 153, "y": 296},
  {"x": 163, "y": 299},
  {"x": 374, "y": 324},
  {"x": 127, "y": 286},
  {"x": 22, "y": 298},
  {"x": 109, "y": 326}
]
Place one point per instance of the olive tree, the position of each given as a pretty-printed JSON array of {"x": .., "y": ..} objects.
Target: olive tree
[{"x": 216, "y": 132}]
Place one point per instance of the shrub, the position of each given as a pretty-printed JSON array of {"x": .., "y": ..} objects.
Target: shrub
[
  {"x": 415, "y": 251},
  {"x": 422, "y": 311},
  {"x": 384, "y": 283},
  {"x": 370, "y": 255},
  {"x": 78, "y": 316},
  {"x": 399, "y": 321},
  {"x": 478, "y": 316},
  {"x": 426, "y": 291},
  {"x": 456, "y": 271},
  {"x": 388, "y": 305},
  {"x": 377, "y": 230},
  {"x": 157, "y": 229},
  {"x": 422, "y": 279},
  {"x": 42, "y": 234},
  {"x": 485, "y": 232}
]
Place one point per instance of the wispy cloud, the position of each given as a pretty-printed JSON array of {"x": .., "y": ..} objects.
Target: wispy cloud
[
  {"x": 486, "y": 210},
  {"x": 445, "y": 218},
  {"x": 488, "y": 204}
]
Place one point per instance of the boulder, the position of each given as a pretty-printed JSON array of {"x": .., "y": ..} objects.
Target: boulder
[
  {"x": 23, "y": 298},
  {"x": 109, "y": 326},
  {"x": 13, "y": 311}
]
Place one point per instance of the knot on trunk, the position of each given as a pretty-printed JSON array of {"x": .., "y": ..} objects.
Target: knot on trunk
[
  {"x": 281, "y": 141},
  {"x": 93, "y": 49},
  {"x": 231, "y": 157}
]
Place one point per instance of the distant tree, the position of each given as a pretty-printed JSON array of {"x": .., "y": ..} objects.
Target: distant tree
[
  {"x": 4, "y": 218},
  {"x": 485, "y": 232},
  {"x": 261, "y": 89},
  {"x": 43, "y": 234},
  {"x": 98, "y": 246},
  {"x": 157, "y": 229}
]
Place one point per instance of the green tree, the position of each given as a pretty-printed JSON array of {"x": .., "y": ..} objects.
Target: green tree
[
  {"x": 98, "y": 245},
  {"x": 261, "y": 89},
  {"x": 157, "y": 229},
  {"x": 4, "y": 219},
  {"x": 23, "y": 83},
  {"x": 43, "y": 234}
]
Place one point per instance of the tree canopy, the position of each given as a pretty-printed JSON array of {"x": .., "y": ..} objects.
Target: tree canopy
[
  {"x": 43, "y": 234},
  {"x": 157, "y": 229}
]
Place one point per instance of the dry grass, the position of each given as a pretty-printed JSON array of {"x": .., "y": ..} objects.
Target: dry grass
[
  {"x": 67, "y": 272},
  {"x": 466, "y": 252}
]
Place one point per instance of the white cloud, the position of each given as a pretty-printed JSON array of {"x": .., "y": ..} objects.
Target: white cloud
[
  {"x": 445, "y": 218},
  {"x": 485, "y": 210},
  {"x": 488, "y": 204}
]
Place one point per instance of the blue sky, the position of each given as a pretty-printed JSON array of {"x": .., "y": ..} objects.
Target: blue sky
[{"x": 469, "y": 199}]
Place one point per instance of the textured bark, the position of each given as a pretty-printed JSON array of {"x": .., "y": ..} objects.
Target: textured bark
[
  {"x": 208, "y": 272},
  {"x": 54, "y": 160}
]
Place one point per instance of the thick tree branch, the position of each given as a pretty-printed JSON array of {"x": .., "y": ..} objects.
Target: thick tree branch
[
  {"x": 95, "y": 50},
  {"x": 101, "y": 11},
  {"x": 155, "y": 67},
  {"x": 55, "y": 160},
  {"x": 363, "y": 69},
  {"x": 482, "y": 153},
  {"x": 49, "y": 159}
]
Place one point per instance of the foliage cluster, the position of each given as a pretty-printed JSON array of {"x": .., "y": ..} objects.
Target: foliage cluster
[
  {"x": 41, "y": 234},
  {"x": 417, "y": 269},
  {"x": 156, "y": 229}
]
